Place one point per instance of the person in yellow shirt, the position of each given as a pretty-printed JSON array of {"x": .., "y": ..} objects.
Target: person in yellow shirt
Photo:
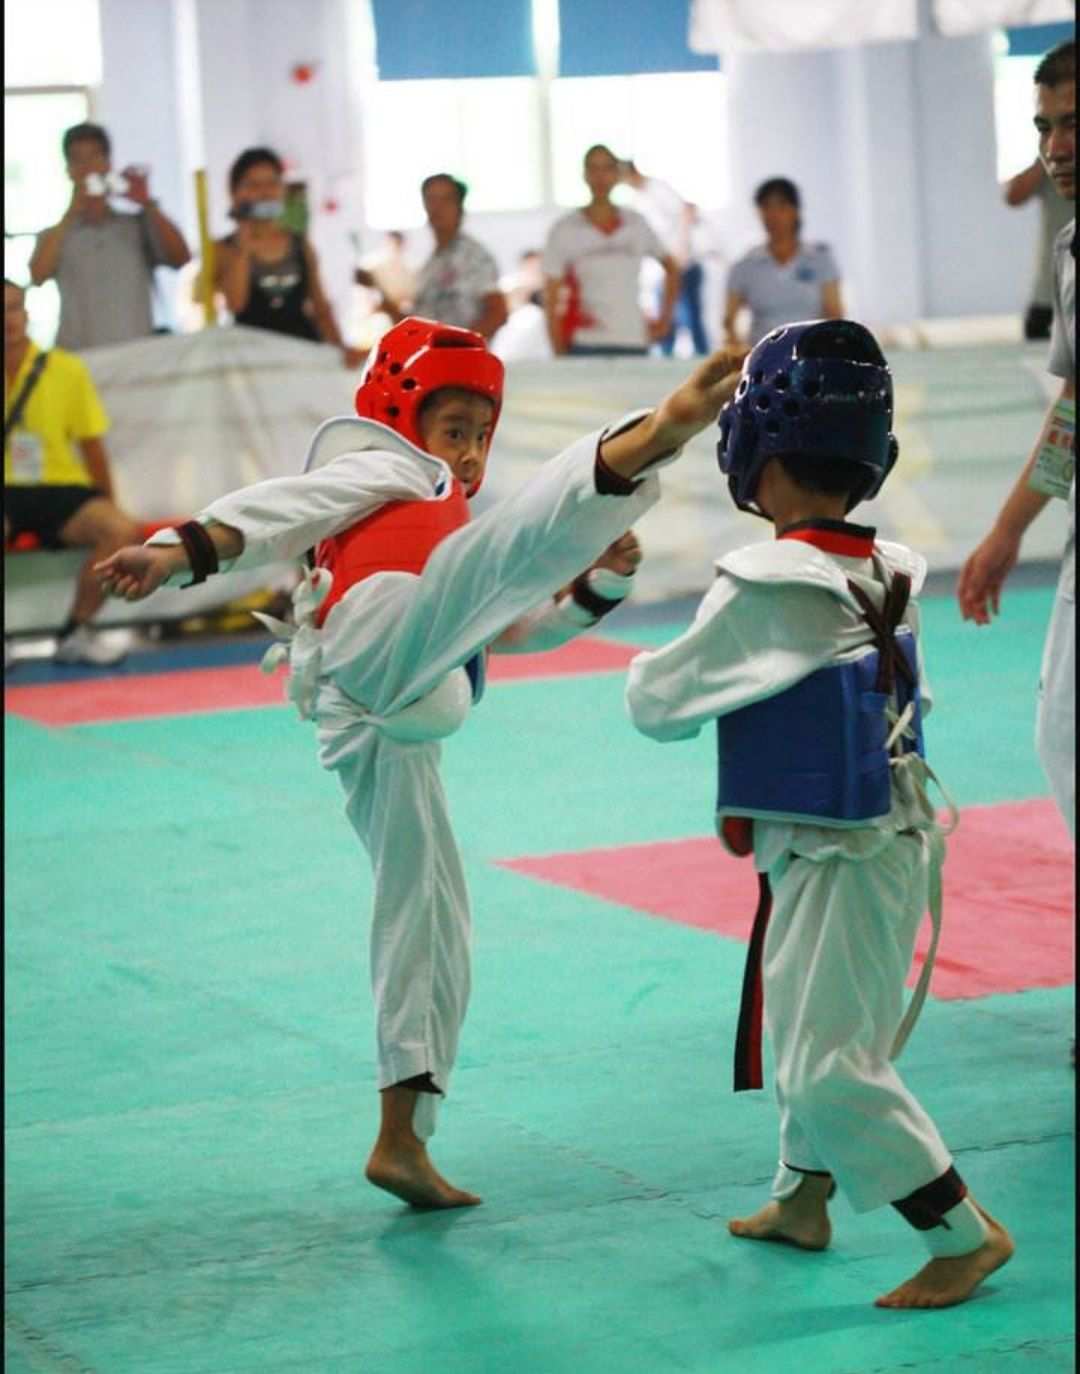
[{"x": 57, "y": 482}]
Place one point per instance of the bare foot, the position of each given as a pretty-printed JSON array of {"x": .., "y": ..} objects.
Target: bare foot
[
  {"x": 404, "y": 1169},
  {"x": 945, "y": 1282},
  {"x": 801, "y": 1220}
]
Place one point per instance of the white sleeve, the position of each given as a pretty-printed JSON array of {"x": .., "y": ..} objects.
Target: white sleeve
[
  {"x": 744, "y": 645},
  {"x": 283, "y": 517}
]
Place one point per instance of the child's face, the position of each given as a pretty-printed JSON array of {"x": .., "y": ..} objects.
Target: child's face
[{"x": 458, "y": 430}]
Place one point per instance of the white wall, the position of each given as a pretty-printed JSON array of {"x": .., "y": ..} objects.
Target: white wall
[{"x": 892, "y": 145}]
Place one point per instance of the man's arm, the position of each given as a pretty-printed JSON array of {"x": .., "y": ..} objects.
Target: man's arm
[
  {"x": 1019, "y": 189},
  {"x": 551, "y": 315},
  {"x": 659, "y": 328},
  {"x": 983, "y": 575},
  {"x": 171, "y": 241},
  {"x": 733, "y": 303},
  {"x": 493, "y": 314},
  {"x": 832, "y": 305},
  {"x": 46, "y": 255}
]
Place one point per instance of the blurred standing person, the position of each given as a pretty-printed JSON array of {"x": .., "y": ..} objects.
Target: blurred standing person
[
  {"x": 459, "y": 283},
  {"x": 268, "y": 274},
  {"x": 783, "y": 280},
  {"x": 104, "y": 261},
  {"x": 592, "y": 263},
  {"x": 1050, "y": 469},
  {"x": 57, "y": 481},
  {"x": 673, "y": 219},
  {"x": 387, "y": 283},
  {"x": 1054, "y": 213}
]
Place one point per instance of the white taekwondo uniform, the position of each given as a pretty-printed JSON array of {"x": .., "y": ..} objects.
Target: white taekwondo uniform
[
  {"x": 391, "y": 640},
  {"x": 847, "y": 902}
]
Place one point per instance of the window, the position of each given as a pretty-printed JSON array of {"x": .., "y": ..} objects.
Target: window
[
  {"x": 646, "y": 117},
  {"x": 486, "y": 131},
  {"x": 1014, "y": 109}
]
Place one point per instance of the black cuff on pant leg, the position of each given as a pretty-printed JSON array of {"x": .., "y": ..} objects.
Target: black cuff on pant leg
[
  {"x": 421, "y": 1083},
  {"x": 925, "y": 1208}
]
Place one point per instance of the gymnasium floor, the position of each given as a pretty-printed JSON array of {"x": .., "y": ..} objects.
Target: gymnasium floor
[{"x": 189, "y": 1054}]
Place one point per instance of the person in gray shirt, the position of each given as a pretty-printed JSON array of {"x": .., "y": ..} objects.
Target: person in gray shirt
[
  {"x": 1054, "y": 213},
  {"x": 785, "y": 279},
  {"x": 104, "y": 261},
  {"x": 1050, "y": 469}
]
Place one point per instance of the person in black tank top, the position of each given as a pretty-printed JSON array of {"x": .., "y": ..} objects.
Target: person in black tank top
[{"x": 269, "y": 275}]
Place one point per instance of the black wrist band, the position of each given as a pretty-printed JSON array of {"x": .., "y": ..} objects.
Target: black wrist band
[
  {"x": 609, "y": 483},
  {"x": 200, "y": 549},
  {"x": 584, "y": 596}
]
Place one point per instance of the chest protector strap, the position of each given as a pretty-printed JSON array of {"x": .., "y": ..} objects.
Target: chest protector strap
[{"x": 399, "y": 537}]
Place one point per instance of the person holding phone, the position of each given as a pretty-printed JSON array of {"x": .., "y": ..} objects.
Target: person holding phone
[
  {"x": 103, "y": 257},
  {"x": 268, "y": 274}
]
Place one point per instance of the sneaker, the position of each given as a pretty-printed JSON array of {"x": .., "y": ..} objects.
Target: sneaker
[{"x": 82, "y": 645}]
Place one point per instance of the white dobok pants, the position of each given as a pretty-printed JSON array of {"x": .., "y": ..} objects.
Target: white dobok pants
[
  {"x": 389, "y": 642},
  {"x": 837, "y": 950},
  {"x": 1055, "y": 729}
]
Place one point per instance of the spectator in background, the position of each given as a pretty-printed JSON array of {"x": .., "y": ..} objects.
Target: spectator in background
[
  {"x": 385, "y": 280},
  {"x": 269, "y": 274},
  {"x": 1054, "y": 213},
  {"x": 784, "y": 280},
  {"x": 524, "y": 336},
  {"x": 104, "y": 261},
  {"x": 673, "y": 219},
  {"x": 1050, "y": 471},
  {"x": 459, "y": 283},
  {"x": 57, "y": 483}
]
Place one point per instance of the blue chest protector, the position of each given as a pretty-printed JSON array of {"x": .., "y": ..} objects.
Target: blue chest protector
[{"x": 816, "y": 752}]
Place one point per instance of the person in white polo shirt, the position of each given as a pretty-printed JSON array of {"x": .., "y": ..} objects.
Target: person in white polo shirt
[
  {"x": 592, "y": 264},
  {"x": 785, "y": 279}
]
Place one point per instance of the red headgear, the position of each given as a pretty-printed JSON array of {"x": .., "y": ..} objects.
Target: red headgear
[{"x": 418, "y": 357}]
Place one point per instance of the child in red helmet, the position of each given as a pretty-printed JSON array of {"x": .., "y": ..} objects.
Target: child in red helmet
[{"x": 392, "y": 626}]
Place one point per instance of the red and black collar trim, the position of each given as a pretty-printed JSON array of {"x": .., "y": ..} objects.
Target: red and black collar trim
[{"x": 834, "y": 536}]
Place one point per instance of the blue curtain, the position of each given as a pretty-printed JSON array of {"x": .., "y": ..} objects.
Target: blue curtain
[
  {"x": 415, "y": 39},
  {"x": 623, "y": 37},
  {"x": 1035, "y": 39}
]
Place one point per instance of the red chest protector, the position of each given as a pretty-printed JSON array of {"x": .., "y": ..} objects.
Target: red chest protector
[{"x": 398, "y": 537}]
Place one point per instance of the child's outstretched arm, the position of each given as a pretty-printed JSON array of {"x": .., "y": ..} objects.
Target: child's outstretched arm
[
  {"x": 680, "y": 415},
  {"x": 136, "y": 570}
]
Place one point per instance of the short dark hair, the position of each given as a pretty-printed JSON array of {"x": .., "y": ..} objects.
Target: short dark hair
[
  {"x": 822, "y": 476},
  {"x": 778, "y": 186},
  {"x": 599, "y": 148},
  {"x": 253, "y": 157},
  {"x": 1058, "y": 65},
  {"x": 450, "y": 393},
  {"x": 461, "y": 190},
  {"x": 86, "y": 133}
]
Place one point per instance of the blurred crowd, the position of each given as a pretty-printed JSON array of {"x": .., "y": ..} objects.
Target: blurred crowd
[{"x": 625, "y": 273}]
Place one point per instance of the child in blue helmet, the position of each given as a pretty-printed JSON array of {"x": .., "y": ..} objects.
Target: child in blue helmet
[{"x": 805, "y": 653}]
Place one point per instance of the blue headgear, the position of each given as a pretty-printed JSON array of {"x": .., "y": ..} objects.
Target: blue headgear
[{"x": 818, "y": 389}]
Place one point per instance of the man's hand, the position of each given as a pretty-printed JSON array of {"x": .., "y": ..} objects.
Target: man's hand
[
  {"x": 352, "y": 358},
  {"x": 658, "y": 330},
  {"x": 983, "y": 576},
  {"x": 138, "y": 184},
  {"x": 623, "y": 556},
  {"x": 135, "y": 571}
]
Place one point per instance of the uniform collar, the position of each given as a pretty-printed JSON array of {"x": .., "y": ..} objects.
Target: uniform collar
[{"x": 833, "y": 536}]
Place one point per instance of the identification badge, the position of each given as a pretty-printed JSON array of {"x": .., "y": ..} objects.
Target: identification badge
[
  {"x": 27, "y": 455},
  {"x": 1055, "y": 465}
]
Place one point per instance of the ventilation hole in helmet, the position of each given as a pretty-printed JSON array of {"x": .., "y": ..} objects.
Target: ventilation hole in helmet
[
  {"x": 763, "y": 401},
  {"x": 393, "y": 411},
  {"x": 758, "y": 377},
  {"x": 744, "y": 387},
  {"x": 383, "y": 357},
  {"x": 409, "y": 384},
  {"x": 811, "y": 388},
  {"x": 791, "y": 407},
  {"x": 395, "y": 368},
  {"x": 781, "y": 381}
]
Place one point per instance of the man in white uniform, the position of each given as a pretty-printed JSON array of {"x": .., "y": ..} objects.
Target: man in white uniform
[
  {"x": 416, "y": 593},
  {"x": 805, "y": 653},
  {"x": 1050, "y": 470}
]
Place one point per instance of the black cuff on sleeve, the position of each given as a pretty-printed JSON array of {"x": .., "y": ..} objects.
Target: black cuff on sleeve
[
  {"x": 584, "y": 596},
  {"x": 200, "y": 549},
  {"x": 610, "y": 483}
]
